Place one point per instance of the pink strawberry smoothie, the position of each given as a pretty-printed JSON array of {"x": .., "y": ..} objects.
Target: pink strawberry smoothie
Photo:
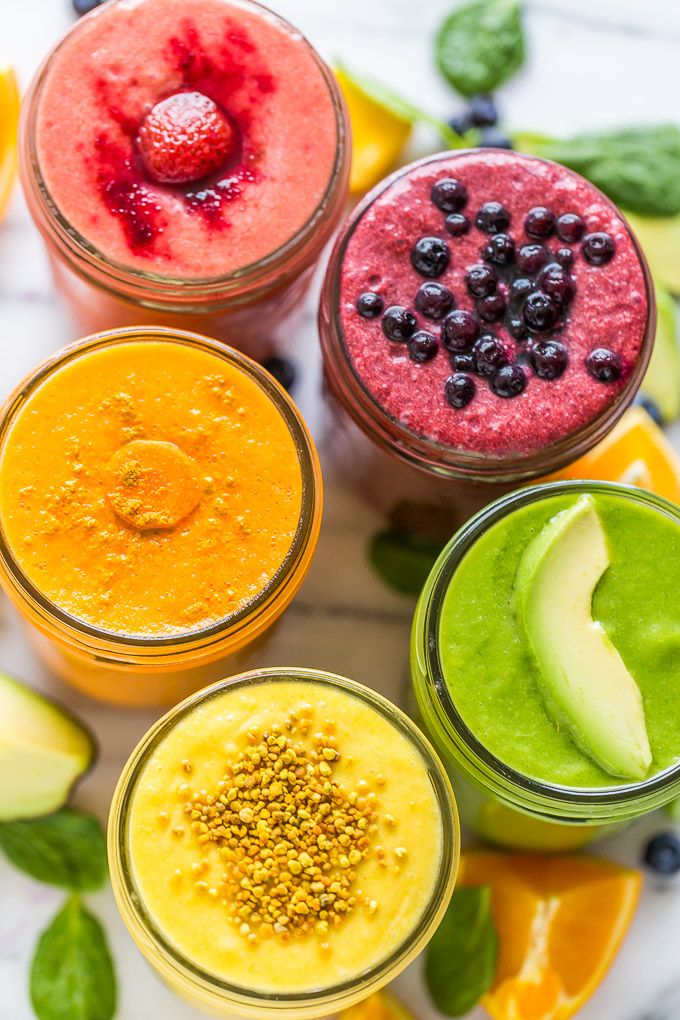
[
  {"x": 608, "y": 307},
  {"x": 186, "y": 138}
]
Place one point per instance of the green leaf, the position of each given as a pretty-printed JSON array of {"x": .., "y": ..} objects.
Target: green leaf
[
  {"x": 638, "y": 167},
  {"x": 405, "y": 110},
  {"x": 403, "y": 560},
  {"x": 481, "y": 44},
  {"x": 67, "y": 849},
  {"x": 461, "y": 958},
  {"x": 72, "y": 975}
]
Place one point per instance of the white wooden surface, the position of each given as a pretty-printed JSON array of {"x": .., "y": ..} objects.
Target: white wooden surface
[{"x": 592, "y": 63}]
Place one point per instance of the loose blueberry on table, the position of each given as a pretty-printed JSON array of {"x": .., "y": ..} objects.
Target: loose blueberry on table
[{"x": 523, "y": 285}]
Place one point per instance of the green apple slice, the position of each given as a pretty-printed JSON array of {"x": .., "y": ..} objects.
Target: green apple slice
[
  {"x": 43, "y": 751},
  {"x": 583, "y": 680},
  {"x": 662, "y": 378}
]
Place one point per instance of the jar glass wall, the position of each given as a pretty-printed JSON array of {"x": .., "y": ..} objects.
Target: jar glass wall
[
  {"x": 145, "y": 669},
  {"x": 217, "y": 994},
  {"x": 500, "y": 803}
]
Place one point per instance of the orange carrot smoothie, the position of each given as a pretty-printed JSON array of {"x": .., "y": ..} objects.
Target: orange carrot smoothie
[{"x": 151, "y": 488}]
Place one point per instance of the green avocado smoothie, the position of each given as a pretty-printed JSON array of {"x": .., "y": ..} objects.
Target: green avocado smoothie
[{"x": 559, "y": 639}]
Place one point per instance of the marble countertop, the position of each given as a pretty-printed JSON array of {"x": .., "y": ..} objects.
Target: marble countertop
[{"x": 592, "y": 63}]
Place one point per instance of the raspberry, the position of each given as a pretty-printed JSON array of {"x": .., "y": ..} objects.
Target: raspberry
[{"x": 184, "y": 138}]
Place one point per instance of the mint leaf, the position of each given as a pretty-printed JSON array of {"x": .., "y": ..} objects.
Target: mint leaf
[
  {"x": 461, "y": 958},
  {"x": 72, "y": 975},
  {"x": 480, "y": 45},
  {"x": 405, "y": 110},
  {"x": 637, "y": 167},
  {"x": 403, "y": 560},
  {"x": 67, "y": 849}
]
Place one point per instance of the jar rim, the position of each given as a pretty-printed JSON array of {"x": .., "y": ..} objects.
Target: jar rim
[
  {"x": 429, "y": 454},
  {"x": 506, "y": 782},
  {"x": 232, "y": 625},
  {"x": 248, "y": 279},
  {"x": 296, "y": 1005}
]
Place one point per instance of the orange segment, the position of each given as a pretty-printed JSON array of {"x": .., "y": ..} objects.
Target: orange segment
[
  {"x": 9, "y": 116},
  {"x": 381, "y": 1006},
  {"x": 560, "y": 922},
  {"x": 635, "y": 452}
]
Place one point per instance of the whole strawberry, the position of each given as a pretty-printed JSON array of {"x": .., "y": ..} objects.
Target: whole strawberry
[{"x": 184, "y": 138}]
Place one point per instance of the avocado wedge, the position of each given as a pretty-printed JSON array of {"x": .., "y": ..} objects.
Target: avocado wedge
[
  {"x": 43, "y": 751},
  {"x": 583, "y": 680}
]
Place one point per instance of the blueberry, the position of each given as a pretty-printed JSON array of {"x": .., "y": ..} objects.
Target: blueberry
[
  {"x": 491, "y": 308},
  {"x": 493, "y": 218},
  {"x": 461, "y": 361},
  {"x": 517, "y": 329},
  {"x": 651, "y": 407},
  {"x": 509, "y": 381},
  {"x": 565, "y": 257},
  {"x": 570, "y": 227},
  {"x": 492, "y": 138},
  {"x": 548, "y": 358},
  {"x": 555, "y": 281},
  {"x": 520, "y": 289},
  {"x": 85, "y": 6},
  {"x": 430, "y": 256},
  {"x": 282, "y": 370},
  {"x": 434, "y": 300},
  {"x": 422, "y": 346},
  {"x": 500, "y": 250},
  {"x": 459, "y": 389},
  {"x": 461, "y": 123},
  {"x": 489, "y": 354},
  {"x": 539, "y": 222},
  {"x": 483, "y": 112},
  {"x": 460, "y": 329},
  {"x": 398, "y": 323},
  {"x": 540, "y": 312},
  {"x": 457, "y": 224},
  {"x": 370, "y": 305},
  {"x": 481, "y": 280},
  {"x": 598, "y": 248},
  {"x": 662, "y": 854},
  {"x": 604, "y": 365},
  {"x": 531, "y": 257},
  {"x": 449, "y": 194}
]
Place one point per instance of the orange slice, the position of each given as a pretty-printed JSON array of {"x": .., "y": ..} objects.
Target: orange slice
[
  {"x": 378, "y": 134},
  {"x": 9, "y": 116},
  {"x": 560, "y": 922},
  {"x": 381, "y": 1006},
  {"x": 636, "y": 452}
]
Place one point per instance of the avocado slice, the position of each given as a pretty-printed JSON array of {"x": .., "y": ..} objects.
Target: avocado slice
[
  {"x": 583, "y": 680},
  {"x": 662, "y": 378},
  {"x": 43, "y": 751},
  {"x": 660, "y": 240}
]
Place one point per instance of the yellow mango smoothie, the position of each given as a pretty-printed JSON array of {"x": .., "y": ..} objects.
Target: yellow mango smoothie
[
  {"x": 286, "y": 835},
  {"x": 155, "y": 489}
]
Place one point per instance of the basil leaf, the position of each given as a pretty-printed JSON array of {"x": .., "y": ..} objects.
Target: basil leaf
[
  {"x": 638, "y": 167},
  {"x": 67, "y": 849},
  {"x": 403, "y": 560},
  {"x": 72, "y": 975},
  {"x": 480, "y": 45},
  {"x": 461, "y": 958},
  {"x": 405, "y": 110}
]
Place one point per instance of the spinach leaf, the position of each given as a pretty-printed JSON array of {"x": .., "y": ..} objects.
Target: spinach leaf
[
  {"x": 480, "y": 45},
  {"x": 403, "y": 560},
  {"x": 405, "y": 110},
  {"x": 72, "y": 975},
  {"x": 637, "y": 167},
  {"x": 65, "y": 849},
  {"x": 461, "y": 957}
]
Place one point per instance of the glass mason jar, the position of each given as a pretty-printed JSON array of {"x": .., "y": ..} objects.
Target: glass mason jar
[
  {"x": 498, "y": 803},
  {"x": 245, "y": 307},
  {"x": 217, "y": 996},
  {"x": 419, "y": 483},
  {"x": 138, "y": 671}
]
